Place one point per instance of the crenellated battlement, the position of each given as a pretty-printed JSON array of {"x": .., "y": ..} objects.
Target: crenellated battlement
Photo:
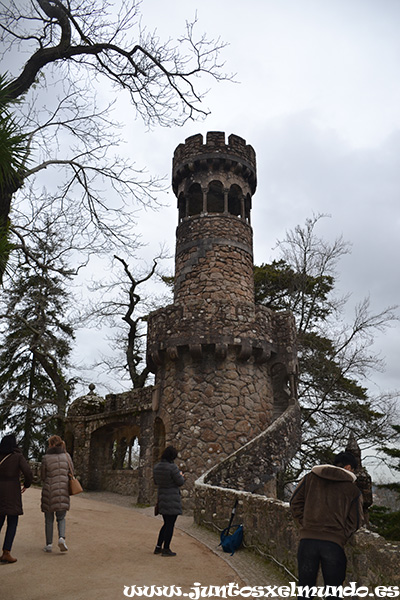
[
  {"x": 252, "y": 332},
  {"x": 194, "y": 155},
  {"x": 215, "y": 143}
]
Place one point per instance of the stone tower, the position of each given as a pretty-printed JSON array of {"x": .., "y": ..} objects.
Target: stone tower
[{"x": 224, "y": 367}]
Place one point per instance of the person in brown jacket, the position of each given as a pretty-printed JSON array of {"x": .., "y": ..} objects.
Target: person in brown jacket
[
  {"x": 12, "y": 465},
  {"x": 55, "y": 469},
  {"x": 327, "y": 505}
]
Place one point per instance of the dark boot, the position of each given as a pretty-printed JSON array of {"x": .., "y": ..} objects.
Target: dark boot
[
  {"x": 168, "y": 552},
  {"x": 7, "y": 558}
]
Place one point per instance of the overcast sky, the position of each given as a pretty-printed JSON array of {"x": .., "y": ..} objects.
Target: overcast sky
[{"x": 318, "y": 97}]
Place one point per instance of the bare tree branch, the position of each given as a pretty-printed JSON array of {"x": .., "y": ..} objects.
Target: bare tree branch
[{"x": 72, "y": 49}]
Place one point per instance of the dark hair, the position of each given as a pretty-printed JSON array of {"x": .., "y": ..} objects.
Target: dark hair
[
  {"x": 170, "y": 453},
  {"x": 345, "y": 458},
  {"x": 8, "y": 444}
]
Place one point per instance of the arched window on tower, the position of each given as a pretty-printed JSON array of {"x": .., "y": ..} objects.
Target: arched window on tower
[
  {"x": 235, "y": 200},
  {"x": 247, "y": 208},
  {"x": 195, "y": 200},
  {"x": 215, "y": 197},
  {"x": 181, "y": 206}
]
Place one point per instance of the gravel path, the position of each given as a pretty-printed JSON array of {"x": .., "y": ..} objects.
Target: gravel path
[{"x": 111, "y": 545}]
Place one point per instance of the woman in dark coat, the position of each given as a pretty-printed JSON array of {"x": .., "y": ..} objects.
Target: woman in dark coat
[
  {"x": 56, "y": 466},
  {"x": 169, "y": 479},
  {"x": 12, "y": 465}
]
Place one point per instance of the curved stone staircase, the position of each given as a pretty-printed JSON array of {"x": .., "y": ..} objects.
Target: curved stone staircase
[{"x": 256, "y": 464}]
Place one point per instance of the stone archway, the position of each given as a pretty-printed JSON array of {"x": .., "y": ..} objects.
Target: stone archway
[{"x": 111, "y": 458}]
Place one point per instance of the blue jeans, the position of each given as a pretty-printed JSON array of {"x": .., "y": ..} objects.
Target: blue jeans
[
  {"x": 313, "y": 553},
  {"x": 12, "y": 522},
  {"x": 49, "y": 520}
]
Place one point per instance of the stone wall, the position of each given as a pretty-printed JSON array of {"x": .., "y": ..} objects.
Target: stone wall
[
  {"x": 211, "y": 407},
  {"x": 35, "y": 468},
  {"x": 124, "y": 482},
  {"x": 252, "y": 331},
  {"x": 224, "y": 372},
  {"x": 214, "y": 260},
  {"x": 268, "y": 523},
  {"x": 270, "y": 529}
]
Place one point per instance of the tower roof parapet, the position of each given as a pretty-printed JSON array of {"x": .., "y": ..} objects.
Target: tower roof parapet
[{"x": 215, "y": 153}]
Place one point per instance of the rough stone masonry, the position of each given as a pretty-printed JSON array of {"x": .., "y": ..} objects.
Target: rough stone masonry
[{"x": 224, "y": 367}]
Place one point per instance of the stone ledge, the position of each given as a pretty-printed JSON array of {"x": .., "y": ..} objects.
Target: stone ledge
[{"x": 269, "y": 528}]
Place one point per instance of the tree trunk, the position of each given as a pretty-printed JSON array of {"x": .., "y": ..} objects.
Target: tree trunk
[{"x": 27, "y": 439}]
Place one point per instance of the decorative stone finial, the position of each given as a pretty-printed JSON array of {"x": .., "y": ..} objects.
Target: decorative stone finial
[{"x": 354, "y": 448}]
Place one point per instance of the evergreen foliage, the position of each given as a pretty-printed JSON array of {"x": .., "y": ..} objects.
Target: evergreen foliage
[
  {"x": 13, "y": 155},
  {"x": 35, "y": 348},
  {"x": 393, "y": 453},
  {"x": 334, "y": 357},
  {"x": 13, "y": 144},
  {"x": 385, "y": 522}
]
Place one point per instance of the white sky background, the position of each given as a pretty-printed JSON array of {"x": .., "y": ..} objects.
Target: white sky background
[
  {"x": 318, "y": 97},
  {"x": 319, "y": 100}
]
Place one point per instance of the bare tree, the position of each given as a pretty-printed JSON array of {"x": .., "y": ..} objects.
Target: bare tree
[
  {"x": 69, "y": 132},
  {"x": 121, "y": 300}
]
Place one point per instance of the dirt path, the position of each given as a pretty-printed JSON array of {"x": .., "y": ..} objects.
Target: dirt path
[{"x": 110, "y": 547}]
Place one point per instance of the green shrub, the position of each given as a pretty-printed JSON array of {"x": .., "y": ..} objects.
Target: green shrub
[{"x": 385, "y": 522}]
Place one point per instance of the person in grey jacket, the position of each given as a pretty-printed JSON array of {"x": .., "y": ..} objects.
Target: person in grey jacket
[
  {"x": 56, "y": 466},
  {"x": 168, "y": 479}
]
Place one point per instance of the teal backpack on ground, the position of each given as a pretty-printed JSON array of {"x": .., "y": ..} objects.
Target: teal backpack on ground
[{"x": 230, "y": 543}]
